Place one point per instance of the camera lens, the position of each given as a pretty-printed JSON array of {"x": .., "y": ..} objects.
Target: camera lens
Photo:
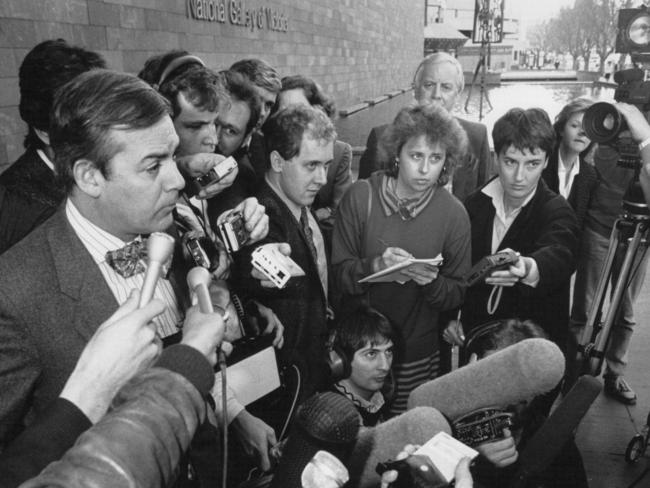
[{"x": 602, "y": 122}]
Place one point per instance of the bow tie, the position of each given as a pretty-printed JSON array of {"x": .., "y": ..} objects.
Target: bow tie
[{"x": 130, "y": 260}]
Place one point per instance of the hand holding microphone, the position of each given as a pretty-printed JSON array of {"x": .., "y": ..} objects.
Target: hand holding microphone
[
  {"x": 160, "y": 247},
  {"x": 203, "y": 328}
]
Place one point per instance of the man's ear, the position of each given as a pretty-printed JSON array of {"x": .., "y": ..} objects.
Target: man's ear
[
  {"x": 545, "y": 162},
  {"x": 277, "y": 161},
  {"x": 88, "y": 177},
  {"x": 42, "y": 135}
]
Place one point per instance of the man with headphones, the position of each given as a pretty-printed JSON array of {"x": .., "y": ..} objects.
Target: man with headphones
[{"x": 360, "y": 355}]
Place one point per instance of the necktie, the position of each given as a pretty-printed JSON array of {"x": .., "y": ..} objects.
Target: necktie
[
  {"x": 304, "y": 223},
  {"x": 128, "y": 260}
]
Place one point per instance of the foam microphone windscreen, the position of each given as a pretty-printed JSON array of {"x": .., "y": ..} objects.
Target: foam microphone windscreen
[
  {"x": 516, "y": 373},
  {"x": 324, "y": 422},
  {"x": 385, "y": 441}
]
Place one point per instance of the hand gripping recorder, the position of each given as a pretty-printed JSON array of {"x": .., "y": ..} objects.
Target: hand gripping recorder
[
  {"x": 277, "y": 267},
  {"x": 217, "y": 173}
]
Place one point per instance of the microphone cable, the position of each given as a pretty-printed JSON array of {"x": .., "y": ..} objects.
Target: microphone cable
[{"x": 221, "y": 361}]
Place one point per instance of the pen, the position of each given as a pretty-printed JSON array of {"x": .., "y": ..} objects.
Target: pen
[{"x": 461, "y": 335}]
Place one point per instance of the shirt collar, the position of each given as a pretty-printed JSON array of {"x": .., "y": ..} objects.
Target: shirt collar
[
  {"x": 45, "y": 159},
  {"x": 96, "y": 240},
  {"x": 373, "y": 405},
  {"x": 494, "y": 190},
  {"x": 295, "y": 209}
]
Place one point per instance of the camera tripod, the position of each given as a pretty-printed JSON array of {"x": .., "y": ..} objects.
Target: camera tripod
[{"x": 632, "y": 227}]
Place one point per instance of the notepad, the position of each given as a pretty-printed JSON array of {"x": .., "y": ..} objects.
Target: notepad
[{"x": 394, "y": 273}]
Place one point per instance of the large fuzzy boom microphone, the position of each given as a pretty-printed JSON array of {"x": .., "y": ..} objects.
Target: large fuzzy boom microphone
[
  {"x": 385, "y": 441},
  {"x": 516, "y": 373},
  {"x": 325, "y": 422},
  {"x": 159, "y": 249}
]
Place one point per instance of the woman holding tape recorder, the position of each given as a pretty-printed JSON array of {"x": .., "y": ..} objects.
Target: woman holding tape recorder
[{"x": 400, "y": 214}]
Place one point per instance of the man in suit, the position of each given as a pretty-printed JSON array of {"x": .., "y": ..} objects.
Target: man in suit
[
  {"x": 31, "y": 193},
  {"x": 517, "y": 211},
  {"x": 439, "y": 79},
  {"x": 114, "y": 145},
  {"x": 300, "y": 148}
]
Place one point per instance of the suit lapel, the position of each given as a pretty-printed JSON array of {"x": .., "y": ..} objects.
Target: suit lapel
[{"x": 92, "y": 301}]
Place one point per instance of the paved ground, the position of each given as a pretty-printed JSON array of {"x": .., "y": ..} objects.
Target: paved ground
[{"x": 608, "y": 427}]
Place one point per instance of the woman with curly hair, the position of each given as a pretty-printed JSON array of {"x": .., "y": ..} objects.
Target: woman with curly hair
[{"x": 406, "y": 212}]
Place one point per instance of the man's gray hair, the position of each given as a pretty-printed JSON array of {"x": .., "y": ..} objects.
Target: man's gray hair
[{"x": 439, "y": 58}]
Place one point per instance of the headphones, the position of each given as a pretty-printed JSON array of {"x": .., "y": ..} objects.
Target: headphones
[
  {"x": 177, "y": 63},
  {"x": 340, "y": 365},
  {"x": 481, "y": 331}
]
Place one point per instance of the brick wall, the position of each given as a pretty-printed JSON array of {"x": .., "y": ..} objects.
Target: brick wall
[{"x": 357, "y": 49}]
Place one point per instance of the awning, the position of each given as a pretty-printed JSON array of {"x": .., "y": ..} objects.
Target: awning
[{"x": 442, "y": 36}]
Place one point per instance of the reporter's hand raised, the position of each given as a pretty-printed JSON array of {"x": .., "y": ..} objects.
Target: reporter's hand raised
[{"x": 121, "y": 347}]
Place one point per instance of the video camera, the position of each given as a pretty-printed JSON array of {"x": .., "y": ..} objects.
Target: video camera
[{"x": 602, "y": 122}]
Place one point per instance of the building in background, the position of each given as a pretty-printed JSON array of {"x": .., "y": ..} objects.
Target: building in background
[
  {"x": 358, "y": 50},
  {"x": 460, "y": 14}
]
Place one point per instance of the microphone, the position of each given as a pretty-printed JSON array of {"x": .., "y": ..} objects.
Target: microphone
[
  {"x": 324, "y": 422},
  {"x": 198, "y": 281},
  {"x": 160, "y": 247},
  {"x": 383, "y": 442},
  {"x": 516, "y": 373}
]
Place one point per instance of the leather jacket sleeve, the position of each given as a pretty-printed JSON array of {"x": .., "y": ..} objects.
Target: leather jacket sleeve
[{"x": 139, "y": 443}]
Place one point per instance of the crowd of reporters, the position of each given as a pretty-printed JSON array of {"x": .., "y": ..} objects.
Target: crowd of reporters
[{"x": 112, "y": 393}]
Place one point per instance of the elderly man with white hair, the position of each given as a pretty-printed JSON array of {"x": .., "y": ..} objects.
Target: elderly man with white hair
[{"x": 439, "y": 79}]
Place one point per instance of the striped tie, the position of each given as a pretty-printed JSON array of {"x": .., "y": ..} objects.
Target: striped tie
[{"x": 304, "y": 223}]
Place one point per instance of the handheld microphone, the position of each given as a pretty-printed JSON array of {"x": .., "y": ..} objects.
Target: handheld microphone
[
  {"x": 160, "y": 247},
  {"x": 383, "y": 442},
  {"x": 198, "y": 281},
  {"x": 324, "y": 422},
  {"x": 516, "y": 373}
]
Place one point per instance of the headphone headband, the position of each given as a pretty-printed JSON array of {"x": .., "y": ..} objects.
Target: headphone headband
[{"x": 177, "y": 63}]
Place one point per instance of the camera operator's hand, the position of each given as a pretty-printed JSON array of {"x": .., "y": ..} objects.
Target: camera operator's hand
[
  {"x": 204, "y": 332},
  {"x": 500, "y": 453},
  {"x": 196, "y": 165},
  {"x": 256, "y": 221},
  {"x": 636, "y": 121},
  {"x": 256, "y": 437},
  {"x": 283, "y": 248},
  {"x": 121, "y": 347}
]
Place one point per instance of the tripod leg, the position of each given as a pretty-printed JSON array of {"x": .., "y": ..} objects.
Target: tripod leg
[
  {"x": 613, "y": 310},
  {"x": 592, "y": 325}
]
